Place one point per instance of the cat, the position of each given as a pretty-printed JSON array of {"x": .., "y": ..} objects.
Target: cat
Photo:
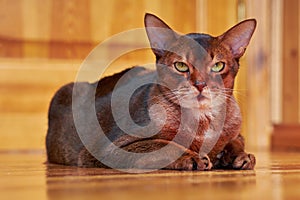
[{"x": 187, "y": 109}]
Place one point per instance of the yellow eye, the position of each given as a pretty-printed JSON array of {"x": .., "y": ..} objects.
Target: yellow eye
[
  {"x": 219, "y": 66},
  {"x": 181, "y": 67}
]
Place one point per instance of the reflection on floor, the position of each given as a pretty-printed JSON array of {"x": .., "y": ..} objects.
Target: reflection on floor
[{"x": 24, "y": 176}]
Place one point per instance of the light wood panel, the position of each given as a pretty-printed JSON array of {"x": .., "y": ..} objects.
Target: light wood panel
[
  {"x": 258, "y": 75},
  {"x": 276, "y": 68},
  {"x": 286, "y": 137},
  {"x": 286, "y": 132},
  {"x": 68, "y": 29},
  {"x": 221, "y": 15},
  {"x": 290, "y": 73},
  {"x": 26, "y": 88},
  {"x": 11, "y": 18}
]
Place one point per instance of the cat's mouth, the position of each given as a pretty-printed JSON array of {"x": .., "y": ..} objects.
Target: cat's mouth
[
  {"x": 204, "y": 101},
  {"x": 201, "y": 97}
]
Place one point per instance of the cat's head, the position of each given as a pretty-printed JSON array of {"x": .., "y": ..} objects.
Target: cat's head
[{"x": 198, "y": 66}]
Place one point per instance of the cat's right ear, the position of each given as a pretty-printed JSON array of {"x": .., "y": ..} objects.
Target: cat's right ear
[
  {"x": 238, "y": 37},
  {"x": 159, "y": 34}
]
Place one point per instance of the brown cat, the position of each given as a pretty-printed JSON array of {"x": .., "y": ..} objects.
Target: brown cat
[{"x": 185, "y": 117}]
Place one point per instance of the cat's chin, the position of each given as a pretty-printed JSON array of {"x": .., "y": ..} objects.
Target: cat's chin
[
  {"x": 201, "y": 97},
  {"x": 202, "y": 103},
  {"x": 202, "y": 111}
]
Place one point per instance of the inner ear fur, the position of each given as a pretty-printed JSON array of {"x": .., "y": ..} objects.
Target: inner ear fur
[
  {"x": 159, "y": 34},
  {"x": 238, "y": 37}
]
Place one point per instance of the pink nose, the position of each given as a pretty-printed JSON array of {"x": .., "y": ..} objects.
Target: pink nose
[{"x": 200, "y": 85}]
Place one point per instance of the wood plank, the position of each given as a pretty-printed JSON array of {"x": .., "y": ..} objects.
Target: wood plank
[
  {"x": 258, "y": 75},
  {"x": 70, "y": 25},
  {"x": 70, "y": 20},
  {"x": 23, "y": 131},
  {"x": 286, "y": 133},
  {"x": 290, "y": 90},
  {"x": 36, "y": 21},
  {"x": 28, "y": 86},
  {"x": 71, "y": 28},
  {"x": 10, "y": 48},
  {"x": 10, "y": 27},
  {"x": 13, "y": 48},
  {"x": 221, "y": 15},
  {"x": 101, "y": 22},
  {"x": 11, "y": 18},
  {"x": 298, "y": 63},
  {"x": 286, "y": 137},
  {"x": 276, "y": 62}
]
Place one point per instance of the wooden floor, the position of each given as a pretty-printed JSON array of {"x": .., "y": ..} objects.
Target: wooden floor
[{"x": 24, "y": 176}]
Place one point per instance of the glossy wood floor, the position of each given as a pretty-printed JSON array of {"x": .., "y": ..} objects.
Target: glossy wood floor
[{"x": 24, "y": 176}]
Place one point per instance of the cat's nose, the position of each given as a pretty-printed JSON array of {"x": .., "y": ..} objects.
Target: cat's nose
[{"x": 200, "y": 85}]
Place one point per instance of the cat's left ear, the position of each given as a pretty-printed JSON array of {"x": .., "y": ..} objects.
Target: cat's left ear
[
  {"x": 159, "y": 34},
  {"x": 238, "y": 37}
]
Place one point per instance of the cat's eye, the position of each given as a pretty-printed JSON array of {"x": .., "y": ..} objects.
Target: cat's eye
[
  {"x": 219, "y": 66},
  {"x": 181, "y": 67}
]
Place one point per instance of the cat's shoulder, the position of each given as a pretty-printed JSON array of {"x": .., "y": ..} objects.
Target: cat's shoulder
[
  {"x": 107, "y": 84},
  {"x": 126, "y": 74}
]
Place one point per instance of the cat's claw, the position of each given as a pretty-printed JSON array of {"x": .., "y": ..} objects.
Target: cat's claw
[
  {"x": 192, "y": 162},
  {"x": 244, "y": 161},
  {"x": 206, "y": 161}
]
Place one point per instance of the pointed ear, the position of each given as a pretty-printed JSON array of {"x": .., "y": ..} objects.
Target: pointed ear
[
  {"x": 238, "y": 37},
  {"x": 159, "y": 34}
]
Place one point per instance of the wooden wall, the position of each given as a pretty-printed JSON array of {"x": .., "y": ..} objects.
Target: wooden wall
[
  {"x": 290, "y": 74},
  {"x": 67, "y": 29},
  {"x": 286, "y": 133},
  {"x": 258, "y": 74},
  {"x": 43, "y": 43}
]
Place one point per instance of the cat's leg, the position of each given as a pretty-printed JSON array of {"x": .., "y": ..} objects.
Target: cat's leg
[
  {"x": 188, "y": 160},
  {"x": 234, "y": 157},
  {"x": 86, "y": 159}
]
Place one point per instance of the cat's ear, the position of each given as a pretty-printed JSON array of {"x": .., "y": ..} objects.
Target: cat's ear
[
  {"x": 159, "y": 34},
  {"x": 238, "y": 37}
]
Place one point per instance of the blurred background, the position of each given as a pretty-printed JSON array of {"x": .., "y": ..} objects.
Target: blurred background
[{"x": 43, "y": 43}]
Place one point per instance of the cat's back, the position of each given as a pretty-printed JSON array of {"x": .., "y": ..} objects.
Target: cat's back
[
  {"x": 62, "y": 141},
  {"x": 62, "y": 99},
  {"x": 107, "y": 84}
]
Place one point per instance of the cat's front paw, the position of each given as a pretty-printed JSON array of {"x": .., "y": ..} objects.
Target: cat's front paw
[
  {"x": 244, "y": 161},
  {"x": 191, "y": 162}
]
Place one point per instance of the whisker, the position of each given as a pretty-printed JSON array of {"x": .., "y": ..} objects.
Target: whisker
[{"x": 223, "y": 94}]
